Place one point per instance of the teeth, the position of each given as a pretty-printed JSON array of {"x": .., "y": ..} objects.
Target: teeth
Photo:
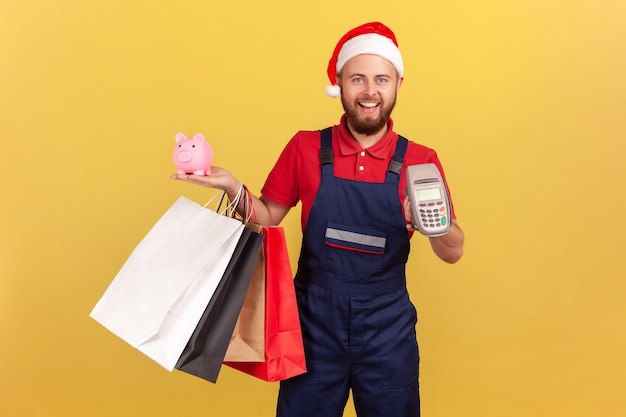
[{"x": 369, "y": 104}]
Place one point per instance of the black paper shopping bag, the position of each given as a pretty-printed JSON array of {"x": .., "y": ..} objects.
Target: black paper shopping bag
[{"x": 207, "y": 347}]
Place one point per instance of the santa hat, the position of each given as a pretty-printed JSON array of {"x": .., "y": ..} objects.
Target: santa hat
[{"x": 371, "y": 38}]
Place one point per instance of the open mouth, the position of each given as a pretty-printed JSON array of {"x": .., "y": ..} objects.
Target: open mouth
[{"x": 368, "y": 105}]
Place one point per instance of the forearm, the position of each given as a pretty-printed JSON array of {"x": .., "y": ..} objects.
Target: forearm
[
  {"x": 449, "y": 247},
  {"x": 254, "y": 209},
  {"x": 259, "y": 210}
]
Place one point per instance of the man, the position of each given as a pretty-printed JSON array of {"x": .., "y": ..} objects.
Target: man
[{"x": 357, "y": 320}]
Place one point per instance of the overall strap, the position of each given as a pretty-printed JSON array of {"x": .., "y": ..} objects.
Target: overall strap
[
  {"x": 326, "y": 151},
  {"x": 395, "y": 165}
]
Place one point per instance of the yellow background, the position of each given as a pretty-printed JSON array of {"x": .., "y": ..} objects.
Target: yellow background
[{"x": 524, "y": 100}]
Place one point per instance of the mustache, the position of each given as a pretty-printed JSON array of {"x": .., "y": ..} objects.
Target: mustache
[{"x": 368, "y": 97}]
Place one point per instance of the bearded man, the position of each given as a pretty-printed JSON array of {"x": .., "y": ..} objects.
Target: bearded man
[{"x": 357, "y": 320}]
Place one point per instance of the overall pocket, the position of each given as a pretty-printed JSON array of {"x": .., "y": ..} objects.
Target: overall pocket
[{"x": 355, "y": 252}]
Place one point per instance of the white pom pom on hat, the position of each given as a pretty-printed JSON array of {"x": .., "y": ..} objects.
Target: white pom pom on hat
[
  {"x": 371, "y": 38},
  {"x": 333, "y": 91}
]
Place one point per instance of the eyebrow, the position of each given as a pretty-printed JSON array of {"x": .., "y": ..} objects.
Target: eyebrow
[{"x": 363, "y": 75}]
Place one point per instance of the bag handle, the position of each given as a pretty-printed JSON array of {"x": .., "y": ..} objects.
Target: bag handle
[
  {"x": 230, "y": 209},
  {"x": 248, "y": 202},
  {"x": 249, "y": 214}
]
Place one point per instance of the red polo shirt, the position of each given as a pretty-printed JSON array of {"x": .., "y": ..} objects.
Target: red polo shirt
[{"x": 297, "y": 173}]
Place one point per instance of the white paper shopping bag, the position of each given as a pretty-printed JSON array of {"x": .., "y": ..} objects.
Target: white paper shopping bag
[{"x": 157, "y": 298}]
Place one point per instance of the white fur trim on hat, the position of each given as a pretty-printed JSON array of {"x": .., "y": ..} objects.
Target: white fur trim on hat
[{"x": 374, "y": 44}]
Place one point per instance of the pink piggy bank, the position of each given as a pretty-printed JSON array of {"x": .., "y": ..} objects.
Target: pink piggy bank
[{"x": 193, "y": 155}]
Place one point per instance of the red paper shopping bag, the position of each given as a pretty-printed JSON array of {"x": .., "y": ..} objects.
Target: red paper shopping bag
[{"x": 284, "y": 351}]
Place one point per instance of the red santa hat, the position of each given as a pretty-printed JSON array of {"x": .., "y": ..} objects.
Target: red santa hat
[{"x": 371, "y": 38}]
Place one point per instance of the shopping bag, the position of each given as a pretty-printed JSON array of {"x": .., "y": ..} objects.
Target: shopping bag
[
  {"x": 284, "y": 351},
  {"x": 159, "y": 295},
  {"x": 247, "y": 343},
  {"x": 207, "y": 346}
]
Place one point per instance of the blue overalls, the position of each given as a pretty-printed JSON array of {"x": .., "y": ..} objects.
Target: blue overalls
[{"x": 357, "y": 320}]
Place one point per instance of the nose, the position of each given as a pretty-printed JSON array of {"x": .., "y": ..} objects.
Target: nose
[
  {"x": 184, "y": 156},
  {"x": 370, "y": 88}
]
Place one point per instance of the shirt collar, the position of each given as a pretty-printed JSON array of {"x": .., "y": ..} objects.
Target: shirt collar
[{"x": 349, "y": 146}]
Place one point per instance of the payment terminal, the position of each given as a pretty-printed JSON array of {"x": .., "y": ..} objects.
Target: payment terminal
[{"x": 430, "y": 206}]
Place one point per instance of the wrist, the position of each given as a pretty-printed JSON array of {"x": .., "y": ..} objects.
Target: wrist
[{"x": 234, "y": 188}]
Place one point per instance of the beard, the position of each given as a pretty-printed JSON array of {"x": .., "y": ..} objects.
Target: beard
[{"x": 367, "y": 125}]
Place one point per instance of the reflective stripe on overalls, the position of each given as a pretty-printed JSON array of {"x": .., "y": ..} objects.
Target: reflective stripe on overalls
[{"x": 357, "y": 320}]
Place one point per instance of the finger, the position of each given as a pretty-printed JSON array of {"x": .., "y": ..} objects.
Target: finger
[{"x": 183, "y": 177}]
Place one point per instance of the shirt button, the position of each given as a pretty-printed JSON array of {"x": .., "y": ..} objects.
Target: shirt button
[
  {"x": 361, "y": 168},
  {"x": 362, "y": 153}
]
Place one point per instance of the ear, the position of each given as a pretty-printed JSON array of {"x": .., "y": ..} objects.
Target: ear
[
  {"x": 198, "y": 136},
  {"x": 179, "y": 137},
  {"x": 399, "y": 84}
]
